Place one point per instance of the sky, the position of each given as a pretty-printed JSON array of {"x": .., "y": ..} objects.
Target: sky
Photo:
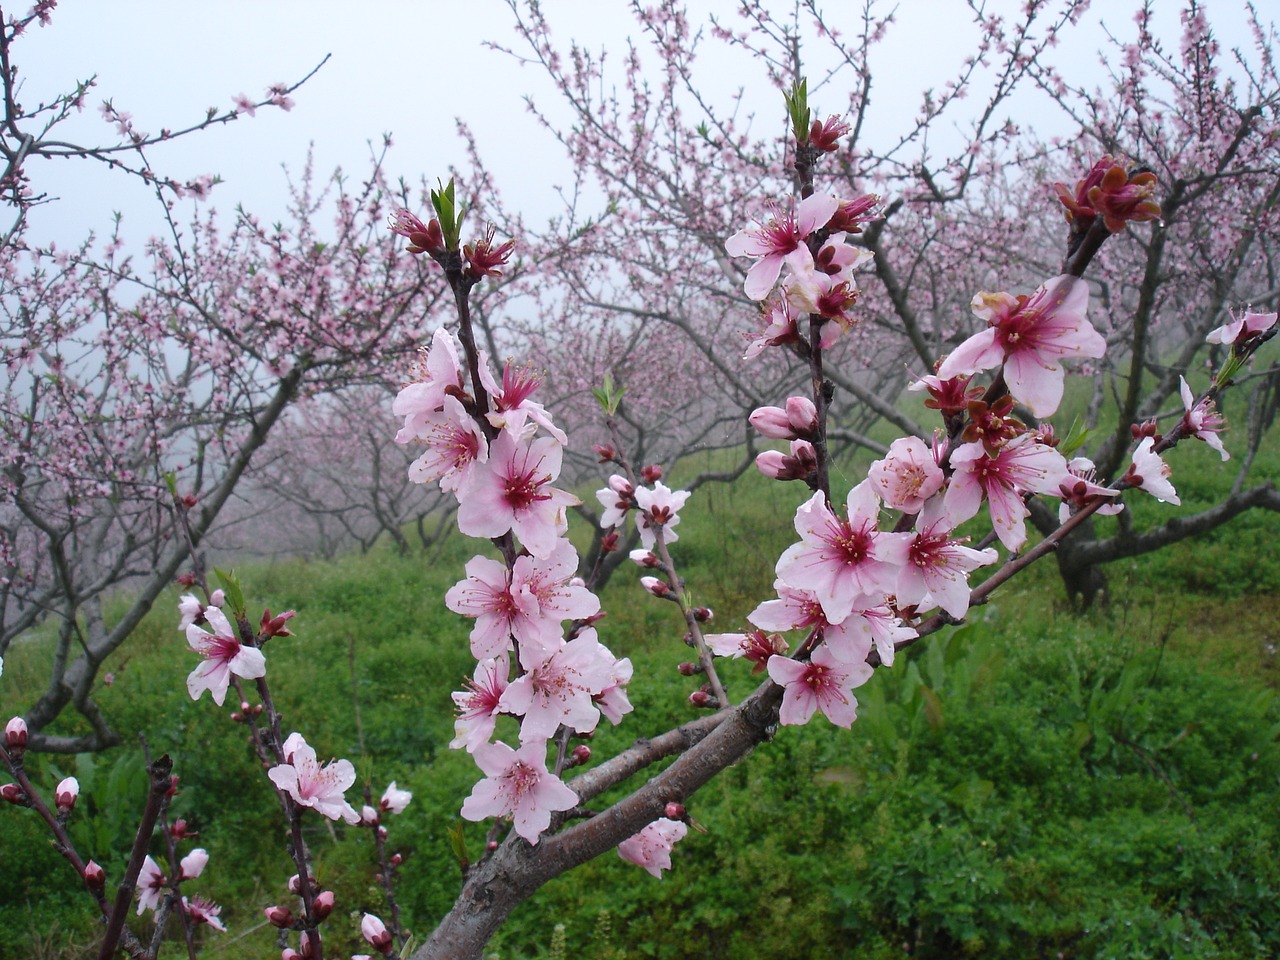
[{"x": 398, "y": 67}]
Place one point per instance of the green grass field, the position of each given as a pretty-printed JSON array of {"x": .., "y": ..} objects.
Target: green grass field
[{"x": 1036, "y": 783}]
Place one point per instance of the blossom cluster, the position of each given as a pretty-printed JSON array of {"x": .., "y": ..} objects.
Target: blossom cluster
[{"x": 500, "y": 455}]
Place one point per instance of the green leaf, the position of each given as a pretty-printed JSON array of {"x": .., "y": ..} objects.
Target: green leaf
[
  {"x": 458, "y": 845},
  {"x": 1076, "y": 438},
  {"x": 230, "y": 584}
]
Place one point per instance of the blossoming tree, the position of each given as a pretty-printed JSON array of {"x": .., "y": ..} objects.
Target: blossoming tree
[{"x": 871, "y": 573}]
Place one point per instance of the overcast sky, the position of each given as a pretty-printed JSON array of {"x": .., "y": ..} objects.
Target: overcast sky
[{"x": 397, "y": 66}]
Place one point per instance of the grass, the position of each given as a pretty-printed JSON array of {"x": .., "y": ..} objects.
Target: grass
[{"x": 1038, "y": 781}]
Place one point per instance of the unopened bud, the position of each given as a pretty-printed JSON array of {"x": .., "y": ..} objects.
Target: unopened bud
[
  {"x": 368, "y": 816},
  {"x": 322, "y": 905},
  {"x": 173, "y": 786},
  {"x": 181, "y": 830},
  {"x": 1145, "y": 429},
  {"x": 581, "y": 753},
  {"x": 375, "y": 931},
  {"x": 700, "y": 698},
  {"x": 15, "y": 734},
  {"x": 217, "y": 598},
  {"x": 186, "y": 580},
  {"x": 655, "y": 586},
  {"x": 237, "y": 717},
  {"x": 609, "y": 542},
  {"x": 643, "y": 558},
  {"x": 605, "y": 452},
  {"x": 396, "y": 859},
  {"x": 382, "y": 833},
  {"x": 772, "y": 422},
  {"x": 66, "y": 794},
  {"x": 674, "y": 811},
  {"x": 651, "y": 473},
  {"x": 288, "y": 953},
  {"x": 688, "y": 669},
  {"x": 802, "y": 415},
  {"x": 491, "y": 846},
  {"x": 279, "y": 916},
  {"x": 94, "y": 875},
  {"x": 703, "y": 614},
  {"x": 621, "y": 486}
]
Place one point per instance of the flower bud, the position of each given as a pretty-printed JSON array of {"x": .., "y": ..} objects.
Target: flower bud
[
  {"x": 217, "y": 598},
  {"x": 375, "y": 931},
  {"x": 605, "y": 452},
  {"x": 703, "y": 614},
  {"x": 279, "y": 916},
  {"x": 270, "y": 626},
  {"x": 13, "y": 793},
  {"x": 675, "y": 811},
  {"x": 643, "y": 558},
  {"x": 581, "y": 753},
  {"x": 396, "y": 859},
  {"x": 368, "y": 816},
  {"x": 382, "y": 833},
  {"x": 700, "y": 698},
  {"x": 609, "y": 542},
  {"x": 94, "y": 875},
  {"x": 688, "y": 669},
  {"x": 173, "y": 786},
  {"x": 186, "y": 580},
  {"x": 621, "y": 486},
  {"x": 651, "y": 473},
  {"x": 66, "y": 793},
  {"x": 322, "y": 905},
  {"x": 288, "y": 953},
  {"x": 193, "y": 864},
  {"x": 1145, "y": 429},
  {"x": 491, "y": 846},
  {"x": 236, "y": 716},
  {"x": 772, "y": 422},
  {"x": 15, "y": 734},
  {"x": 655, "y": 586},
  {"x": 802, "y": 415}
]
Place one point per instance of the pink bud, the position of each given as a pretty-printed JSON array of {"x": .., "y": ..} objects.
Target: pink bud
[
  {"x": 688, "y": 669},
  {"x": 652, "y": 473},
  {"x": 375, "y": 931},
  {"x": 491, "y": 846},
  {"x": 322, "y": 905},
  {"x": 368, "y": 816},
  {"x": 65, "y": 795},
  {"x": 643, "y": 558},
  {"x": 621, "y": 486},
  {"x": 609, "y": 542},
  {"x": 396, "y": 859},
  {"x": 13, "y": 793},
  {"x": 772, "y": 422},
  {"x": 382, "y": 833},
  {"x": 674, "y": 811},
  {"x": 181, "y": 830},
  {"x": 217, "y": 598},
  {"x": 15, "y": 734},
  {"x": 604, "y": 451},
  {"x": 288, "y": 953},
  {"x": 193, "y": 864},
  {"x": 703, "y": 614},
  {"x": 700, "y": 698},
  {"x": 581, "y": 753},
  {"x": 94, "y": 875},
  {"x": 802, "y": 415},
  {"x": 655, "y": 586},
  {"x": 278, "y": 916}
]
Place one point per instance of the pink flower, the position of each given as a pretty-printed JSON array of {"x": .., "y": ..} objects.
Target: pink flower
[
  {"x": 512, "y": 407},
  {"x": 394, "y": 800},
  {"x": 616, "y": 500},
  {"x": 1242, "y": 328},
  {"x": 513, "y": 492},
  {"x": 799, "y": 464},
  {"x": 1202, "y": 420},
  {"x": 907, "y": 476},
  {"x": 201, "y": 910},
  {"x": 613, "y": 701},
  {"x": 224, "y": 657},
  {"x": 479, "y": 705},
  {"x": 780, "y": 328},
  {"x": 244, "y": 104},
  {"x": 192, "y": 610},
  {"x": 437, "y": 374},
  {"x": 824, "y": 683},
  {"x": 560, "y": 689},
  {"x": 455, "y": 444},
  {"x": 841, "y": 561},
  {"x": 651, "y": 847},
  {"x": 797, "y": 609},
  {"x": 934, "y": 567},
  {"x": 1078, "y": 487},
  {"x": 770, "y": 240},
  {"x": 313, "y": 785},
  {"x": 1148, "y": 472},
  {"x": 657, "y": 509},
  {"x": 1030, "y": 336},
  {"x": 1019, "y": 467},
  {"x": 150, "y": 885},
  {"x": 517, "y": 785}
]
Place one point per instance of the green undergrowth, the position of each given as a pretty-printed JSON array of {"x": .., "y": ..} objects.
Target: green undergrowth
[{"x": 1035, "y": 783}]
